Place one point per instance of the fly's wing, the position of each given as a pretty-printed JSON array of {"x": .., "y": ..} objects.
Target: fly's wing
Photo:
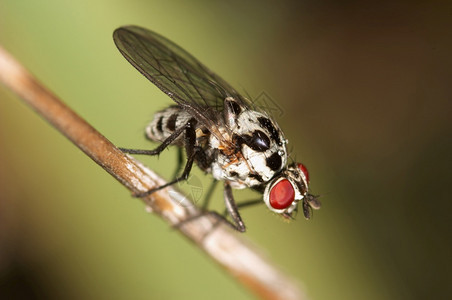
[{"x": 177, "y": 73}]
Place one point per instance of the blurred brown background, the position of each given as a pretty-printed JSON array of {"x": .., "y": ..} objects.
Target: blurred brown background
[{"x": 365, "y": 90}]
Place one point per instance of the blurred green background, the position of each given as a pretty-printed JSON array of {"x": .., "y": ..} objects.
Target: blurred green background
[{"x": 366, "y": 96}]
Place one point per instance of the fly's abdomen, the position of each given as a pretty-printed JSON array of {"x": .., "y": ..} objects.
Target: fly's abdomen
[{"x": 165, "y": 122}]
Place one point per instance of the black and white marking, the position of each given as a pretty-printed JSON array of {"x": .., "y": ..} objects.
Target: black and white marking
[{"x": 221, "y": 131}]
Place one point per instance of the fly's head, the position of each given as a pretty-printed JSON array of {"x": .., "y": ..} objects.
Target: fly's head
[
  {"x": 259, "y": 140},
  {"x": 284, "y": 192}
]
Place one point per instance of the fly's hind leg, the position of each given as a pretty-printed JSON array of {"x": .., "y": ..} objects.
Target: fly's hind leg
[
  {"x": 162, "y": 146},
  {"x": 191, "y": 150}
]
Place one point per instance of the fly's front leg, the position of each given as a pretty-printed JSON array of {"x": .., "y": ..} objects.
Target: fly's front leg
[
  {"x": 190, "y": 142},
  {"x": 231, "y": 208}
]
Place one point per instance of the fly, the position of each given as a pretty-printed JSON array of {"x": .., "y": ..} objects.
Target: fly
[{"x": 221, "y": 131}]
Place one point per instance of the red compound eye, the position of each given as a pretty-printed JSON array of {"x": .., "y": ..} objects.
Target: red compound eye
[
  {"x": 282, "y": 195},
  {"x": 304, "y": 170}
]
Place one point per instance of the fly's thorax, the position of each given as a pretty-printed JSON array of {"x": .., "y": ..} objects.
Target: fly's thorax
[
  {"x": 225, "y": 164},
  {"x": 258, "y": 148},
  {"x": 262, "y": 143}
]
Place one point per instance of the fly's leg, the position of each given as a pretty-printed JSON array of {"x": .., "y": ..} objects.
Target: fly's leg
[
  {"x": 231, "y": 208},
  {"x": 221, "y": 218},
  {"x": 163, "y": 145},
  {"x": 191, "y": 150}
]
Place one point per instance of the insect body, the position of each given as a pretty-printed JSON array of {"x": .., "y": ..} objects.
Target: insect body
[{"x": 221, "y": 131}]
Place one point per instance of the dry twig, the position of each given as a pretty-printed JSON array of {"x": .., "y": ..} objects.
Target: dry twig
[{"x": 225, "y": 246}]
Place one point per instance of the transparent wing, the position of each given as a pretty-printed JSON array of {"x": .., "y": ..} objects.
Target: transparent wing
[{"x": 177, "y": 73}]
